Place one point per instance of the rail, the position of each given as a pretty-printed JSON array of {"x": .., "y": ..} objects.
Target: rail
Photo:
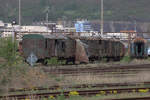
[
  {"x": 81, "y": 93},
  {"x": 100, "y": 70}
]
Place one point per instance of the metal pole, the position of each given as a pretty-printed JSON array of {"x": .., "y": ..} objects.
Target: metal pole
[
  {"x": 135, "y": 25},
  {"x": 13, "y": 35},
  {"x": 47, "y": 20},
  {"x": 102, "y": 16},
  {"x": 13, "y": 39},
  {"x": 19, "y": 12},
  {"x": 13, "y": 31},
  {"x": 19, "y": 18}
]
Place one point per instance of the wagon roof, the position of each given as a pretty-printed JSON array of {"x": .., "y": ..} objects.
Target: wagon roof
[
  {"x": 139, "y": 39},
  {"x": 40, "y": 36},
  {"x": 91, "y": 38},
  {"x": 36, "y": 36},
  {"x": 55, "y": 36}
]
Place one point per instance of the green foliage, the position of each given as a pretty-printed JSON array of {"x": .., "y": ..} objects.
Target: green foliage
[
  {"x": 34, "y": 10},
  {"x": 75, "y": 98},
  {"x": 8, "y": 51},
  {"x": 55, "y": 61},
  {"x": 12, "y": 62},
  {"x": 126, "y": 59},
  {"x": 62, "y": 97},
  {"x": 104, "y": 60}
]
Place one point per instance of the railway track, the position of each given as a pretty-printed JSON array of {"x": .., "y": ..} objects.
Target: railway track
[
  {"x": 120, "y": 68},
  {"x": 140, "y": 98},
  {"x": 81, "y": 93},
  {"x": 108, "y": 85},
  {"x": 133, "y": 68}
]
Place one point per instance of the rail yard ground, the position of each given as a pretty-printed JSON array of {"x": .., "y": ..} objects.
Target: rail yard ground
[{"x": 23, "y": 76}]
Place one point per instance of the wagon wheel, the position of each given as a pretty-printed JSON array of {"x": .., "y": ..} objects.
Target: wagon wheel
[
  {"x": 44, "y": 62},
  {"x": 70, "y": 60}
]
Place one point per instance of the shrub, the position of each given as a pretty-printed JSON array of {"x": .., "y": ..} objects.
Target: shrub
[
  {"x": 8, "y": 51},
  {"x": 55, "y": 61},
  {"x": 13, "y": 63}
]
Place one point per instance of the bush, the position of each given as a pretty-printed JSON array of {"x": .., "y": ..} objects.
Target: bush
[
  {"x": 54, "y": 61},
  {"x": 8, "y": 50}
]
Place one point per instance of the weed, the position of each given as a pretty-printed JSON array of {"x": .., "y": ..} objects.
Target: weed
[
  {"x": 73, "y": 93},
  {"x": 51, "y": 97},
  {"x": 126, "y": 59},
  {"x": 104, "y": 60},
  {"x": 61, "y": 97},
  {"x": 148, "y": 58}
]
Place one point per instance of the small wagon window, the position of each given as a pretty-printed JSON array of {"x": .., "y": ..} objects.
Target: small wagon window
[{"x": 63, "y": 46}]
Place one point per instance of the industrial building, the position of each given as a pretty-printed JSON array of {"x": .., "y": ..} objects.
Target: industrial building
[{"x": 83, "y": 26}]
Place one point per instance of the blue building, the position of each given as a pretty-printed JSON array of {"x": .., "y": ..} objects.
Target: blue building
[{"x": 82, "y": 26}]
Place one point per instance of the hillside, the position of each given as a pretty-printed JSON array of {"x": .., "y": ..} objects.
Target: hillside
[{"x": 35, "y": 10}]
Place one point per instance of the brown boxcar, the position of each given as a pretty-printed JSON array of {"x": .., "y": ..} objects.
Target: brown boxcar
[{"x": 40, "y": 47}]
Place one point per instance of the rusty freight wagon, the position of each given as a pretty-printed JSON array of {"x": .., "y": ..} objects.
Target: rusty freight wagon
[
  {"x": 139, "y": 48},
  {"x": 37, "y": 48},
  {"x": 104, "y": 48}
]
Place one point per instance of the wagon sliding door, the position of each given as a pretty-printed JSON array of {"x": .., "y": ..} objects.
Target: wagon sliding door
[{"x": 50, "y": 47}]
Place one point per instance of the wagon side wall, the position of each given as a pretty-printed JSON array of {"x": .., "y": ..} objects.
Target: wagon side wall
[{"x": 35, "y": 46}]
